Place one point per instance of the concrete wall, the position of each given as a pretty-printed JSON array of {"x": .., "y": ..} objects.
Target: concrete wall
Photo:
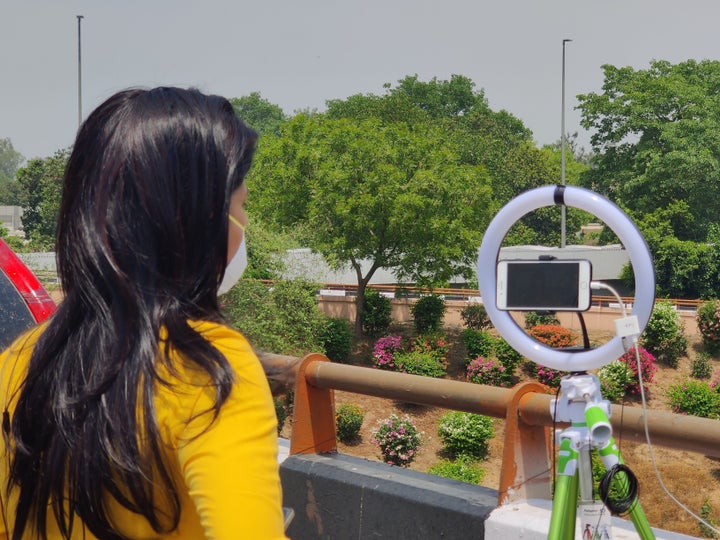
[
  {"x": 336, "y": 496},
  {"x": 597, "y": 319}
]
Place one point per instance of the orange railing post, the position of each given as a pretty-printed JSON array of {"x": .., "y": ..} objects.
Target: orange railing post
[
  {"x": 313, "y": 428},
  {"x": 526, "y": 466}
]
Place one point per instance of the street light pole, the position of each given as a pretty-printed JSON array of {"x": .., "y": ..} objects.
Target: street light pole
[
  {"x": 562, "y": 146},
  {"x": 79, "y": 20}
]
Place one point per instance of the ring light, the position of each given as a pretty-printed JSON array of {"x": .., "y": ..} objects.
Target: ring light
[{"x": 621, "y": 225}]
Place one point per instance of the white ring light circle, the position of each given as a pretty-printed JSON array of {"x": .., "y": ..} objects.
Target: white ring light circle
[{"x": 621, "y": 225}]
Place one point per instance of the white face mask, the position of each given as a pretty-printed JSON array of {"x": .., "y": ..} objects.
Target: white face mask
[{"x": 235, "y": 268}]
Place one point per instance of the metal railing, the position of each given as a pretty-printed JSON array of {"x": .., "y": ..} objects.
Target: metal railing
[{"x": 527, "y": 453}]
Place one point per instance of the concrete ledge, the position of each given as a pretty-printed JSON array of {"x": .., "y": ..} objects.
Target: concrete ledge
[
  {"x": 339, "y": 496},
  {"x": 530, "y": 520}
]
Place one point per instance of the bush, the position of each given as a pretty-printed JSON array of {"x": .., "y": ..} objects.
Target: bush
[
  {"x": 284, "y": 319},
  {"x": 281, "y": 412},
  {"x": 337, "y": 339},
  {"x": 708, "y": 321},
  {"x": 647, "y": 363},
  {"x": 477, "y": 343},
  {"x": 664, "y": 335},
  {"x": 385, "y": 350},
  {"x": 508, "y": 356},
  {"x": 538, "y": 318},
  {"x": 549, "y": 377},
  {"x": 695, "y": 398},
  {"x": 700, "y": 367},
  {"x": 553, "y": 335},
  {"x": 376, "y": 316},
  {"x": 423, "y": 363},
  {"x": 466, "y": 434},
  {"x": 464, "y": 469},
  {"x": 615, "y": 378},
  {"x": 475, "y": 317},
  {"x": 348, "y": 420},
  {"x": 492, "y": 372},
  {"x": 398, "y": 440},
  {"x": 432, "y": 343},
  {"x": 428, "y": 313}
]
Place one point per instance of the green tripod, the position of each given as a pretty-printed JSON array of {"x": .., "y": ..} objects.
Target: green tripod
[{"x": 580, "y": 402}]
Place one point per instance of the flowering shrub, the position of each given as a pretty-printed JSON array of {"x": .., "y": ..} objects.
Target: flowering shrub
[
  {"x": 348, "y": 420},
  {"x": 615, "y": 378},
  {"x": 700, "y": 368},
  {"x": 664, "y": 334},
  {"x": 433, "y": 344},
  {"x": 466, "y": 434},
  {"x": 477, "y": 342},
  {"x": 384, "y": 351},
  {"x": 398, "y": 440},
  {"x": 708, "y": 321},
  {"x": 492, "y": 372},
  {"x": 464, "y": 469},
  {"x": 549, "y": 377},
  {"x": 418, "y": 362},
  {"x": 647, "y": 363},
  {"x": 696, "y": 398},
  {"x": 553, "y": 335}
]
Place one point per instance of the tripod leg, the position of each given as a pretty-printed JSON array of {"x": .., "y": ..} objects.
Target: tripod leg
[
  {"x": 562, "y": 519},
  {"x": 610, "y": 455}
]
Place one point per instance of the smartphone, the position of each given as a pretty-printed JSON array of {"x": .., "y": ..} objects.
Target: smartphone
[{"x": 539, "y": 285}]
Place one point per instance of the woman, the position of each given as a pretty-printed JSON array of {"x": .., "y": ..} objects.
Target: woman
[{"x": 135, "y": 412}]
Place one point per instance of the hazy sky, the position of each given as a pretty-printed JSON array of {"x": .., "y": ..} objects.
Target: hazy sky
[{"x": 299, "y": 53}]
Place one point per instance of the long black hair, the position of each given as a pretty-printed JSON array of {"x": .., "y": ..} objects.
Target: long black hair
[{"x": 142, "y": 248}]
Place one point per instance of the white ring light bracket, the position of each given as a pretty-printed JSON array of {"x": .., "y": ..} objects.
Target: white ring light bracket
[{"x": 621, "y": 225}]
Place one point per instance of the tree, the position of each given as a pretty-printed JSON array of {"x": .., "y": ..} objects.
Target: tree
[
  {"x": 41, "y": 188},
  {"x": 494, "y": 140},
  {"x": 263, "y": 116},
  {"x": 392, "y": 194},
  {"x": 657, "y": 138},
  {"x": 10, "y": 160}
]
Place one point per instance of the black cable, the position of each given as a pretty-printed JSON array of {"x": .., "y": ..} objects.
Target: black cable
[
  {"x": 586, "y": 338},
  {"x": 625, "y": 487}
]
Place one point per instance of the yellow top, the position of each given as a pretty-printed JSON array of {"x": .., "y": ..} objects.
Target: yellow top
[{"x": 229, "y": 471}]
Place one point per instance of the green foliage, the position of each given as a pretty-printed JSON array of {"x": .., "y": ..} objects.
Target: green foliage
[
  {"x": 280, "y": 411},
  {"x": 428, "y": 313},
  {"x": 10, "y": 160},
  {"x": 282, "y": 319},
  {"x": 655, "y": 138},
  {"x": 398, "y": 440},
  {"x": 477, "y": 343},
  {"x": 464, "y": 469},
  {"x": 700, "y": 368},
  {"x": 695, "y": 398},
  {"x": 41, "y": 186},
  {"x": 615, "y": 378},
  {"x": 708, "y": 321},
  {"x": 265, "y": 249},
  {"x": 465, "y": 434},
  {"x": 664, "y": 335},
  {"x": 337, "y": 339},
  {"x": 257, "y": 112},
  {"x": 537, "y": 318},
  {"x": 418, "y": 362},
  {"x": 375, "y": 316},
  {"x": 508, "y": 356},
  {"x": 549, "y": 377},
  {"x": 707, "y": 512},
  {"x": 475, "y": 317},
  {"x": 348, "y": 419},
  {"x": 490, "y": 372},
  {"x": 553, "y": 335}
]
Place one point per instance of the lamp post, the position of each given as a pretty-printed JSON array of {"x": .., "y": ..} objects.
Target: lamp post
[
  {"x": 562, "y": 146},
  {"x": 79, "y": 20}
]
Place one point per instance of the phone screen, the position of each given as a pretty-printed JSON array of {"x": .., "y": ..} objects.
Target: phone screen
[{"x": 544, "y": 285}]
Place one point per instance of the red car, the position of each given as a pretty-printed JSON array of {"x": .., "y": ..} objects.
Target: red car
[{"x": 23, "y": 300}]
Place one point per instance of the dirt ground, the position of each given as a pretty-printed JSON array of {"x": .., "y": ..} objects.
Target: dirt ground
[{"x": 691, "y": 478}]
